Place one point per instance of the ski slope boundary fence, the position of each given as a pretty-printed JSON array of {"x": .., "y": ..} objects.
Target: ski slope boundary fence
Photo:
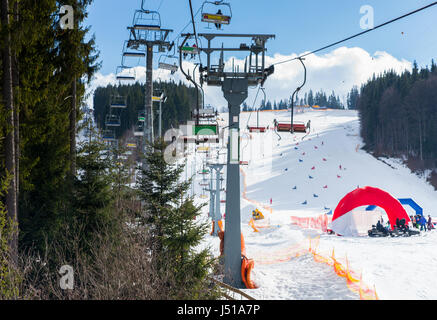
[{"x": 353, "y": 282}]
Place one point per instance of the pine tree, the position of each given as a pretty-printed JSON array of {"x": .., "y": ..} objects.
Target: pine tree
[{"x": 170, "y": 216}]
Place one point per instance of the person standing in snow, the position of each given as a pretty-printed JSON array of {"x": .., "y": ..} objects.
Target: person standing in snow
[
  {"x": 422, "y": 223},
  {"x": 430, "y": 225},
  {"x": 416, "y": 220}
]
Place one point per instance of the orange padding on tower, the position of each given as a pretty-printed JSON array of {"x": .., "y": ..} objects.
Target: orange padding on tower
[
  {"x": 220, "y": 224},
  {"x": 246, "y": 268},
  {"x": 221, "y": 235},
  {"x": 247, "y": 265}
]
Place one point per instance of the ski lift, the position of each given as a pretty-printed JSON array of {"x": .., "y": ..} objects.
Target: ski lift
[
  {"x": 112, "y": 120},
  {"x": 298, "y": 127},
  {"x": 186, "y": 49},
  {"x": 127, "y": 52},
  {"x": 207, "y": 113},
  {"x": 167, "y": 66},
  {"x": 125, "y": 73},
  {"x": 218, "y": 18},
  {"x": 131, "y": 145},
  {"x": 108, "y": 135},
  {"x": 139, "y": 128},
  {"x": 118, "y": 102},
  {"x": 258, "y": 128},
  {"x": 146, "y": 20}
]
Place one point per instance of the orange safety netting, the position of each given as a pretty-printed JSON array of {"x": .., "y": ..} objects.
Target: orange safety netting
[
  {"x": 256, "y": 226},
  {"x": 353, "y": 282},
  {"x": 320, "y": 222}
]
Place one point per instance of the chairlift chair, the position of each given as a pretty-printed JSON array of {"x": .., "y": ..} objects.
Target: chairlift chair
[
  {"x": 187, "y": 49},
  {"x": 118, "y": 102},
  {"x": 145, "y": 20},
  {"x": 167, "y": 66},
  {"x": 139, "y": 128},
  {"x": 217, "y": 18},
  {"x": 141, "y": 117},
  {"x": 112, "y": 120},
  {"x": 125, "y": 73},
  {"x": 131, "y": 52},
  {"x": 108, "y": 135}
]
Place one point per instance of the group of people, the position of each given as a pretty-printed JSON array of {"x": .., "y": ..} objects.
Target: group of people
[
  {"x": 417, "y": 221},
  {"x": 420, "y": 222}
]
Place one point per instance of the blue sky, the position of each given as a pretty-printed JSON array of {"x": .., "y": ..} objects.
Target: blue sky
[{"x": 299, "y": 26}]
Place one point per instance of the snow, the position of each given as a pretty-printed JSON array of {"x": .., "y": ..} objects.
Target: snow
[{"x": 331, "y": 155}]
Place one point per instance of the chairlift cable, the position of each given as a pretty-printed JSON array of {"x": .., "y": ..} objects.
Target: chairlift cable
[
  {"x": 359, "y": 34},
  {"x": 253, "y": 106},
  {"x": 194, "y": 29}
]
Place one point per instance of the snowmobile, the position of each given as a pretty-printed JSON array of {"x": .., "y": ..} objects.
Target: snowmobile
[
  {"x": 257, "y": 215},
  {"x": 404, "y": 232},
  {"x": 375, "y": 233}
]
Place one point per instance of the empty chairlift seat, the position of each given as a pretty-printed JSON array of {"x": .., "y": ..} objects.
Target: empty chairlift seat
[
  {"x": 112, "y": 120},
  {"x": 108, "y": 135},
  {"x": 125, "y": 73},
  {"x": 118, "y": 102},
  {"x": 286, "y": 127},
  {"x": 146, "y": 20}
]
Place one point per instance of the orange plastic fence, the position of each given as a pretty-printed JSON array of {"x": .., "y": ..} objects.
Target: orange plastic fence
[
  {"x": 353, "y": 282},
  {"x": 255, "y": 226},
  {"x": 319, "y": 222}
]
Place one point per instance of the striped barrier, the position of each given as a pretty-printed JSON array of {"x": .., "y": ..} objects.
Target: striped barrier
[{"x": 319, "y": 223}]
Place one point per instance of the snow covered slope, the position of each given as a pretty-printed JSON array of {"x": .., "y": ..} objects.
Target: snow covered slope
[{"x": 309, "y": 177}]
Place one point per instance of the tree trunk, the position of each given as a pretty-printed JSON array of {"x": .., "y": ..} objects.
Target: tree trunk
[
  {"x": 11, "y": 197},
  {"x": 16, "y": 88},
  {"x": 73, "y": 112}
]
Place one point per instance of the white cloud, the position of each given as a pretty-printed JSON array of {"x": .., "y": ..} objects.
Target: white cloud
[{"x": 338, "y": 70}]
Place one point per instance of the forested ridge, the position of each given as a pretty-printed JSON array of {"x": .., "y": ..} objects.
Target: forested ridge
[
  {"x": 398, "y": 114},
  {"x": 181, "y": 101}
]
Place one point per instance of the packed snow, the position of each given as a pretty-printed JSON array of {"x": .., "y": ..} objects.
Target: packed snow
[{"x": 306, "y": 176}]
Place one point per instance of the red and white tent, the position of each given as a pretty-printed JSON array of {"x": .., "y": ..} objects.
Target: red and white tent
[{"x": 349, "y": 222}]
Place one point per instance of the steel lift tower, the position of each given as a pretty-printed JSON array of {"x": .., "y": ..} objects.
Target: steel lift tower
[
  {"x": 234, "y": 84},
  {"x": 146, "y": 34}
]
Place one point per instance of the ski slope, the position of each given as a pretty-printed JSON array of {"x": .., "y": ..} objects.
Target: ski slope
[{"x": 308, "y": 178}]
